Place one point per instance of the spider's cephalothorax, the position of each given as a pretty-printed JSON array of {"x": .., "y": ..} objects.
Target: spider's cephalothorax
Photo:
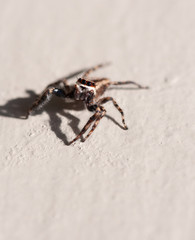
[
  {"x": 88, "y": 91},
  {"x": 84, "y": 90}
]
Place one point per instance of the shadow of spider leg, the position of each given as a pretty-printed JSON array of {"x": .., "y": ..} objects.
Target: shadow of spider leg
[{"x": 98, "y": 115}]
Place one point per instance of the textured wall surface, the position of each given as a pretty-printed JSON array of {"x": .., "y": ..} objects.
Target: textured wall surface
[{"x": 135, "y": 184}]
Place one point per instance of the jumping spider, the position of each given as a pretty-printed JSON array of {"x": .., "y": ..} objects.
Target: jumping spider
[{"x": 86, "y": 90}]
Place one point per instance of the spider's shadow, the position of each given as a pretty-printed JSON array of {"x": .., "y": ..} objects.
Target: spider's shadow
[{"x": 17, "y": 108}]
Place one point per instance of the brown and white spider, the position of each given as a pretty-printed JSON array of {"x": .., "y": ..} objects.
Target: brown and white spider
[{"x": 88, "y": 91}]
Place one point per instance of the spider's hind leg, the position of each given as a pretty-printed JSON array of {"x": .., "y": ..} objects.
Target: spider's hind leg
[{"x": 44, "y": 98}]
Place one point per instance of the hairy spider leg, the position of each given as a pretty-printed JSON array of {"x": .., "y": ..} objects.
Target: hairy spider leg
[
  {"x": 129, "y": 82},
  {"x": 96, "y": 122},
  {"x": 108, "y": 82},
  {"x": 99, "y": 80},
  {"x": 105, "y": 100},
  {"x": 92, "y": 69},
  {"x": 56, "y": 88},
  {"x": 44, "y": 98},
  {"x": 64, "y": 81},
  {"x": 93, "y": 118},
  {"x": 103, "y": 83},
  {"x": 91, "y": 89}
]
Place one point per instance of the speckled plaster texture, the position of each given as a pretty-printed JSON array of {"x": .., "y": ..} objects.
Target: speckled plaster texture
[{"x": 137, "y": 184}]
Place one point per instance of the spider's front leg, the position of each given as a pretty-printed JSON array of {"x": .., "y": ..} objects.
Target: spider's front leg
[
  {"x": 129, "y": 82},
  {"x": 98, "y": 115},
  {"x": 105, "y": 100},
  {"x": 45, "y": 97}
]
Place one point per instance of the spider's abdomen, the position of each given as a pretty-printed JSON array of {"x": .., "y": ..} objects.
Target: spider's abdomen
[{"x": 59, "y": 92}]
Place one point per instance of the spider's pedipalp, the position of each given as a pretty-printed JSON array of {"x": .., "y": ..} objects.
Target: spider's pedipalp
[{"x": 84, "y": 90}]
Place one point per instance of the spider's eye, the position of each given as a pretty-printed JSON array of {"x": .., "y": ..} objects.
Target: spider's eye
[
  {"x": 83, "y": 82},
  {"x": 88, "y": 84}
]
